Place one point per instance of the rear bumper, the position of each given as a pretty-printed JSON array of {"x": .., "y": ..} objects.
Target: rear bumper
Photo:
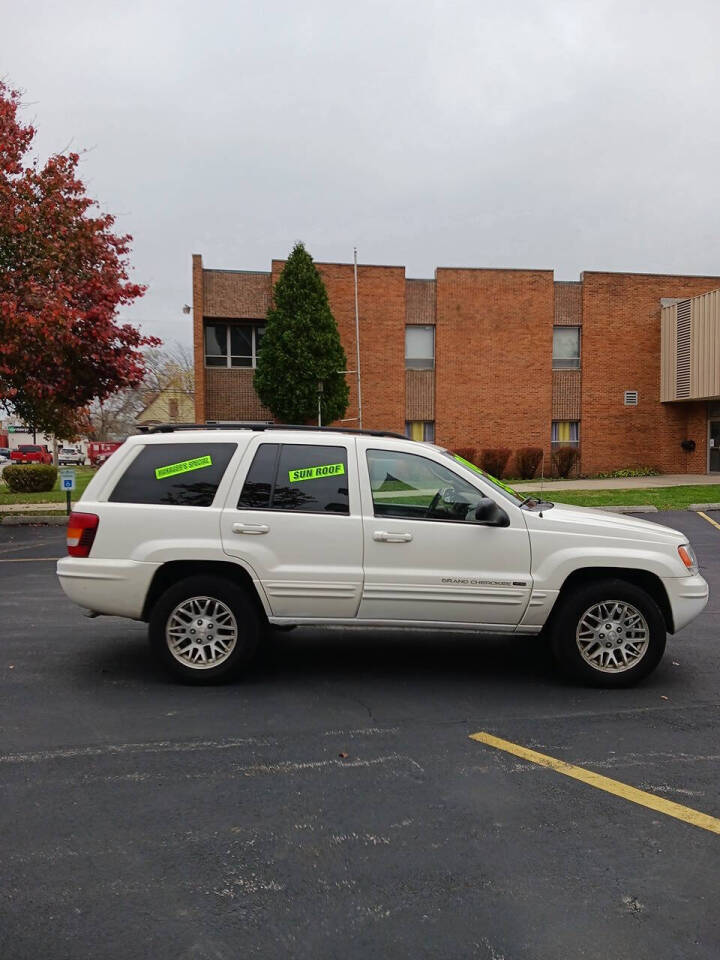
[
  {"x": 688, "y": 597},
  {"x": 116, "y": 588}
]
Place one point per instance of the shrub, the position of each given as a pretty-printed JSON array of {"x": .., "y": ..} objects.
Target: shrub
[
  {"x": 30, "y": 477},
  {"x": 637, "y": 472},
  {"x": 494, "y": 460},
  {"x": 629, "y": 472},
  {"x": 564, "y": 459},
  {"x": 527, "y": 461},
  {"x": 467, "y": 453}
]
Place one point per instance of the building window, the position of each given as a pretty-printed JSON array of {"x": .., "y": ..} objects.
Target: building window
[
  {"x": 566, "y": 348},
  {"x": 420, "y": 430},
  {"x": 565, "y": 433},
  {"x": 232, "y": 344},
  {"x": 173, "y": 409},
  {"x": 419, "y": 347}
]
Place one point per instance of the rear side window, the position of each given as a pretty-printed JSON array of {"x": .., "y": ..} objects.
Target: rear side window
[
  {"x": 257, "y": 489},
  {"x": 298, "y": 477},
  {"x": 176, "y": 474}
]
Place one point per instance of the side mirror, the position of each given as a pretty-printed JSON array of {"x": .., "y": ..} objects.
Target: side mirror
[{"x": 489, "y": 514}]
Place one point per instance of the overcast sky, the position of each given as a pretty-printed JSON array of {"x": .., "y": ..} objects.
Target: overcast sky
[{"x": 567, "y": 135}]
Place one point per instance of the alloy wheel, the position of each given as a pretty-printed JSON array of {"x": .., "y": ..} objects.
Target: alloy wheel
[
  {"x": 201, "y": 632},
  {"x": 612, "y": 636}
]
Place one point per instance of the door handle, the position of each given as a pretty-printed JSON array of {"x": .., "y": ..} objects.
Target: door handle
[
  {"x": 384, "y": 537},
  {"x": 250, "y": 528}
]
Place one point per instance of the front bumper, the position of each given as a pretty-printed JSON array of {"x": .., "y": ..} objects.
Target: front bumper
[
  {"x": 117, "y": 588},
  {"x": 688, "y": 597}
]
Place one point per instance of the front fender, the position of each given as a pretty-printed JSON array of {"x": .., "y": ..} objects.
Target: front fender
[{"x": 554, "y": 569}]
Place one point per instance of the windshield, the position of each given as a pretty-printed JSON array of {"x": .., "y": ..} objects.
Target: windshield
[
  {"x": 502, "y": 488},
  {"x": 28, "y": 448}
]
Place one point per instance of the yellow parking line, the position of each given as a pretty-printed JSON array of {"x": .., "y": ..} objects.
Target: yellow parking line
[
  {"x": 677, "y": 810},
  {"x": 709, "y": 519}
]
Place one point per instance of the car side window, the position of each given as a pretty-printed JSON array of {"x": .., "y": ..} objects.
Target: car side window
[
  {"x": 260, "y": 479},
  {"x": 412, "y": 487},
  {"x": 298, "y": 477},
  {"x": 175, "y": 474}
]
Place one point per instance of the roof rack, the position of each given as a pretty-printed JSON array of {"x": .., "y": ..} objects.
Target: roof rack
[{"x": 261, "y": 425}]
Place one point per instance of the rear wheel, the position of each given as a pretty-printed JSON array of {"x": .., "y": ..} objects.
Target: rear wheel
[
  {"x": 205, "y": 629},
  {"x": 610, "y": 633}
]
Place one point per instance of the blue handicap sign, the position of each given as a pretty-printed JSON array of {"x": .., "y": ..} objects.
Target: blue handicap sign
[{"x": 67, "y": 479}]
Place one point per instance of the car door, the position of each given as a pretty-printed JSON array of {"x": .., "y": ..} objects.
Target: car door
[
  {"x": 293, "y": 514},
  {"x": 426, "y": 558}
]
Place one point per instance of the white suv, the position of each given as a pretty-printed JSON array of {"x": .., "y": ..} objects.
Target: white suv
[
  {"x": 211, "y": 534},
  {"x": 72, "y": 455}
]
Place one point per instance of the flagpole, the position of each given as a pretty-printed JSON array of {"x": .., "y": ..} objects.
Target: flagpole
[{"x": 357, "y": 342}]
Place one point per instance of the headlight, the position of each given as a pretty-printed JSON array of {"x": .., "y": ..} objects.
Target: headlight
[{"x": 687, "y": 555}]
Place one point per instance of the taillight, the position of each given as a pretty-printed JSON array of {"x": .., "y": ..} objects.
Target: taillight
[{"x": 81, "y": 530}]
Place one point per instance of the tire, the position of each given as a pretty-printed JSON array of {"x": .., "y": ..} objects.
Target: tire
[
  {"x": 620, "y": 656},
  {"x": 192, "y": 608}
]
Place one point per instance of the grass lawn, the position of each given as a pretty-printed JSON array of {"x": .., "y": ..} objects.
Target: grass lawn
[
  {"x": 83, "y": 475},
  {"x": 664, "y": 498}
]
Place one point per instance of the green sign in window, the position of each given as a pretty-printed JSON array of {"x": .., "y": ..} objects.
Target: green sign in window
[
  {"x": 185, "y": 466},
  {"x": 314, "y": 473}
]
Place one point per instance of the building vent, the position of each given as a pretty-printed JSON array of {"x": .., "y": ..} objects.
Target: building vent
[
  {"x": 682, "y": 369},
  {"x": 631, "y": 398}
]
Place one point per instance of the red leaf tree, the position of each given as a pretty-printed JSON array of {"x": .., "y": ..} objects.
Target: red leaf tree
[{"x": 63, "y": 275}]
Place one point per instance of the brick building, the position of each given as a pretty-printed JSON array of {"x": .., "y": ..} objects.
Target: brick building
[{"x": 485, "y": 357}]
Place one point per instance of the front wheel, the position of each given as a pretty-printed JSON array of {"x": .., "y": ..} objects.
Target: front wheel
[
  {"x": 610, "y": 633},
  {"x": 205, "y": 629}
]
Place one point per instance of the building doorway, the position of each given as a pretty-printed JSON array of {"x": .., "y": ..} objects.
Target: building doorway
[{"x": 714, "y": 446}]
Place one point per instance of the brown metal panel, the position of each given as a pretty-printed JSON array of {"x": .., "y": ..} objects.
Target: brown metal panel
[
  {"x": 705, "y": 345},
  {"x": 668, "y": 351},
  {"x": 420, "y": 301},
  {"x": 566, "y": 395},
  {"x": 231, "y": 395},
  {"x": 236, "y": 294},
  {"x": 568, "y": 303},
  {"x": 419, "y": 394},
  {"x": 683, "y": 351}
]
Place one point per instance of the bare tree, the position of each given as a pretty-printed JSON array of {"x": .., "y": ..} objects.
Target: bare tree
[{"x": 167, "y": 389}]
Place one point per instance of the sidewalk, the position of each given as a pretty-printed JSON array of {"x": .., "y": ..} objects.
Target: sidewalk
[
  {"x": 626, "y": 483},
  {"x": 30, "y": 507}
]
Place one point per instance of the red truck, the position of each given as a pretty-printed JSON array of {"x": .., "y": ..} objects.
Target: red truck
[
  {"x": 31, "y": 453},
  {"x": 99, "y": 452}
]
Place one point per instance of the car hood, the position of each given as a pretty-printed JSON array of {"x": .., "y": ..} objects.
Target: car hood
[{"x": 573, "y": 519}]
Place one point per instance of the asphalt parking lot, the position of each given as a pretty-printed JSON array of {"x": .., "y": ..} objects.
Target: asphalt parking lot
[{"x": 333, "y": 804}]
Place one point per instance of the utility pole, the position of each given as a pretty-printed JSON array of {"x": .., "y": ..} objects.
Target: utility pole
[{"x": 357, "y": 342}]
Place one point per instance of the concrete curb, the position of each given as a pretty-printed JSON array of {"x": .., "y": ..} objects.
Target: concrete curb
[
  {"x": 704, "y": 506},
  {"x": 34, "y": 521},
  {"x": 641, "y": 508}
]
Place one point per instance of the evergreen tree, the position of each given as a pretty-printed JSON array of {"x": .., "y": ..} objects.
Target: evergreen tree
[{"x": 301, "y": 346}]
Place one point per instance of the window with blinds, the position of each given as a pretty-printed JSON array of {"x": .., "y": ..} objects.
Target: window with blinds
[
  {"x": 565, "y": 433},
  {"x": 420, "y": 430}
]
